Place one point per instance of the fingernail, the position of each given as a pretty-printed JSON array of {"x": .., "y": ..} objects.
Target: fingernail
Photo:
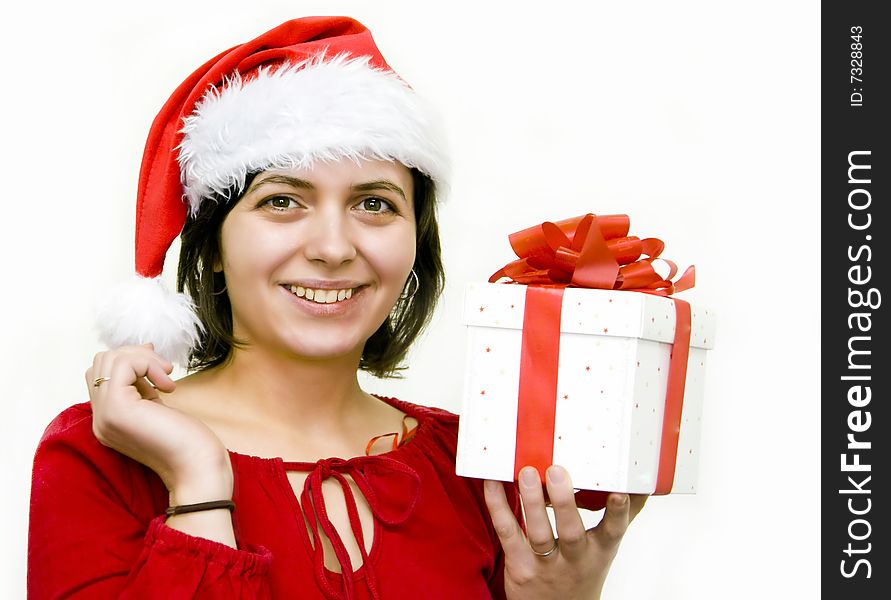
[
  {"x": 556, "y": 474},
  {"x": 529, "y": 477},
  {"x": 619, "y": 500}
]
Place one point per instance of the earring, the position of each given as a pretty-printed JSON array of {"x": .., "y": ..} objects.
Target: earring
[
  {"x": 406, "y": 297},
  {"x": 222, "y": 291}
]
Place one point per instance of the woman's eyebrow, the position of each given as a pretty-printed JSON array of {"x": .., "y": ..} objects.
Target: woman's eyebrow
[
  {"x": 285, "y": 179},
  {"x": 380, "y": 184}
]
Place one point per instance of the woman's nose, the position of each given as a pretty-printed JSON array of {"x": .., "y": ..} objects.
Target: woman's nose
[{"x": 329, "y": 239}]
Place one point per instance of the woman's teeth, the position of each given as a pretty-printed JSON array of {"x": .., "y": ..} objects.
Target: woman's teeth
[{"x": 321, "y": 296}]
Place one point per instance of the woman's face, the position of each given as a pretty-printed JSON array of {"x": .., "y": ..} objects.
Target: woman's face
[{"x": 314, "y": 260}]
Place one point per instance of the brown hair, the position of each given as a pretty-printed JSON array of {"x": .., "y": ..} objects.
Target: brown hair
[{"x": 384, "y": 350}]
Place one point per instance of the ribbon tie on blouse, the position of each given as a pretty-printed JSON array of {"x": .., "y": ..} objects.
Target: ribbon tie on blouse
[{"x": 392, "y": 490}]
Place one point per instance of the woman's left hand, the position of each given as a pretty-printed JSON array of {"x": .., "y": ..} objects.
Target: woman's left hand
[{"x": 580, "y": 560}]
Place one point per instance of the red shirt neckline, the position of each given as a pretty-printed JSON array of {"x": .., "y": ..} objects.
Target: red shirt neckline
[
  {"x": 410, "y": 410},
  {"x": 279, "y": 466}
]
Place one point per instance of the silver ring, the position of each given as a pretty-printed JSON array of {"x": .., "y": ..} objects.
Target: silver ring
[
  {"x": 548, "y": 553},
  {"x": 100, "y": 380}
]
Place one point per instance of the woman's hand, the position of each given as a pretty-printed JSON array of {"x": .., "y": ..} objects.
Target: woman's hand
[
  {"x": 129, "y": 417},
  {"x": 580, "y": 560}
]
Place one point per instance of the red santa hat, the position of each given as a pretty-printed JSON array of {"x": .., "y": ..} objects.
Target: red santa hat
[{"x": 311, "y": 89}]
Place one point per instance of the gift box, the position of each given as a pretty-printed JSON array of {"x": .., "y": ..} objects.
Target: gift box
[{"x": 606, "y": 383}]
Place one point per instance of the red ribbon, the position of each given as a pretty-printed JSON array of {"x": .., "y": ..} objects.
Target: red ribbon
[{"x": 592, "y": 252}]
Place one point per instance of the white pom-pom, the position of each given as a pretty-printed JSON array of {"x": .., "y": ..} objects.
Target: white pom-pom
[{"x": 144, "y": 310}]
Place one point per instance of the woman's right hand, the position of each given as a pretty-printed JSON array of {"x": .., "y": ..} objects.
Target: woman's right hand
[{"x": 129, "y": 417}]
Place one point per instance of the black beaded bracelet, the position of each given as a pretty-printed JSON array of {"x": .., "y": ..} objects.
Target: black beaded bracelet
[{"x": 187, "y": 508}]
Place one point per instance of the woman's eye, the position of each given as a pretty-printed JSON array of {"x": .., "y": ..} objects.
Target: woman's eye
[
  {"x": 376, "y": 205},
  {"x": 280, "y": 203}
]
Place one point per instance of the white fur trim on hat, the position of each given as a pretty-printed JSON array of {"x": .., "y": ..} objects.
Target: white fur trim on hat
[
  {"x": 319, "y": 109},
  {"x": 143, "y": 310}
]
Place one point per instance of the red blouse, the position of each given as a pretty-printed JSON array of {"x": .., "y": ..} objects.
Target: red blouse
[{"x": 97, "y": 527}]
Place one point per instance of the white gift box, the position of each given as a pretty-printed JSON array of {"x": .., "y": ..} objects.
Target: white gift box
[{"x": 612, "y": 376}]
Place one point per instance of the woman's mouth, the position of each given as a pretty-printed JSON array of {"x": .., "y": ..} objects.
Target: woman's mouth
[{"x": 322, "y": 296}]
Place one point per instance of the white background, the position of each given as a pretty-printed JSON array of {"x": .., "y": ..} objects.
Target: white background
[{"x": 700, "y": 119}]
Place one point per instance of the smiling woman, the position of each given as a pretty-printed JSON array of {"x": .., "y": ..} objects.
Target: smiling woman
[
  {"x": 324, "y": 241},
  {"x": 394, "y": 206},
  {"x": 310, "y": 250}
]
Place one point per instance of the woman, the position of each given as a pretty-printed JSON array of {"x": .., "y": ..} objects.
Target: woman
[{"x": 310, "y": 249}]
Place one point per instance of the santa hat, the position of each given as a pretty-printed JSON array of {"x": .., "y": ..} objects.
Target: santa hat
[{"x": 311, "y": 89}]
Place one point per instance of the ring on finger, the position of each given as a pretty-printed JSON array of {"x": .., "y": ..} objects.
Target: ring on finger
[
  {"x": 100, "y": 380},
  {"x": 548, "y": 553}
]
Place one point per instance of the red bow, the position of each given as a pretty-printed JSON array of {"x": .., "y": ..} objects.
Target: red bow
[{"x": 592, "y": 252}]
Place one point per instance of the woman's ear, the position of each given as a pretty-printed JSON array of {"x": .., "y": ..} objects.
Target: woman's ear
[{"x": 216, "y": 253}]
